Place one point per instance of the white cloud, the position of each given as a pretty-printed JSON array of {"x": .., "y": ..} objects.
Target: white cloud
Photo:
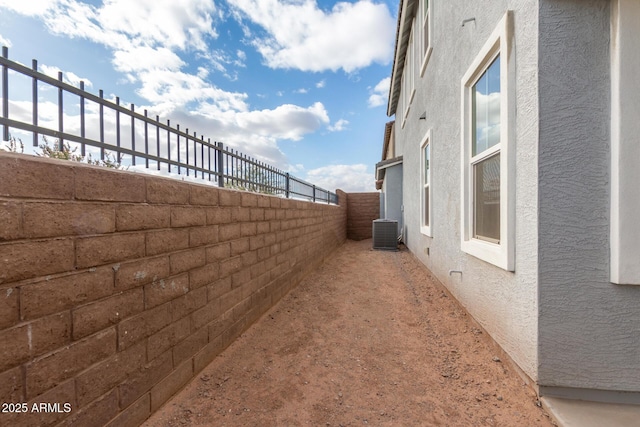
[
  {"x": 203, "y": 73},
  {"x": 67, "y": 76},
  {"x": 144, "y": 36},
  {"x": 75, "y": 80},
  {"x": 301, "y": 90},
  {"x": 127, "y": 24},
  {"x": 242, "y": 56},
  {"x": 220, "y": 60},
  {"x": 297, "y": 168},
  {"x": 284, "y": 122},
  {"x": 74, "y": 19},
  {"x": 5, "y": 42},
  {"x": 176, "y": 89},
  {"x": 380, "y": 93},
  {"x": 302, "y": 36},
  {"x": 149, "y": 39},
  {"x": 338, "y": 126},
  {"x": 321, "y": 84},
  {"x": 350, "y": 178},
  {"x": 169, "y": 23},
  {"x": 287, "y": 121},
  {"x": 142, "y": 58}
]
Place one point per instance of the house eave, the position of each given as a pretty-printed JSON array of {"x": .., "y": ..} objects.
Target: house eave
[
  {"x": 383, "y": 165},
  {"x": 388, "y": 128},
  {"x": 403, "y": 32}
]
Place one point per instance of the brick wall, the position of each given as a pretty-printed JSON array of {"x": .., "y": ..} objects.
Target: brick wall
[
  {"x": 362, "y": 209},
  {"x": 117, "y": 288}
]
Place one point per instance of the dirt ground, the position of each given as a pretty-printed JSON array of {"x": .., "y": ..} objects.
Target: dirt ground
[{"x": 370, "y": 338}]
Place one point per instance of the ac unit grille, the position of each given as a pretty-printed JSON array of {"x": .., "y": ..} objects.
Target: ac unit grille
[{"x": 385, "y": 234}]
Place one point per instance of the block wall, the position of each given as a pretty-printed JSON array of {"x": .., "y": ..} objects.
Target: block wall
[
  {"x": 117, "y": 288},
  {"x": 362, "y": 209}
]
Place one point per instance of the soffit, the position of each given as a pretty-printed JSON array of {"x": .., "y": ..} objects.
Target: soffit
[
  {"x": 406, "y": 13},
  {"x": 388, "y": 128}
]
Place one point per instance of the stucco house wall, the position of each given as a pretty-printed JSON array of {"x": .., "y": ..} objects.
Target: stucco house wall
[
  {"x": 504, "y": 303},
  {"x": 392, "y": 191},
  {"x": 589, "y": 328},
  {"x": 557, "y": 313}
]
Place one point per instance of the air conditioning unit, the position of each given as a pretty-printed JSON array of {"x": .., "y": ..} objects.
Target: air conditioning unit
[{"x": 385, "y": 234}]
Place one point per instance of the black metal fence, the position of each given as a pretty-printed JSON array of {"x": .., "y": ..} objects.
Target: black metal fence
[{"x": 147, "y": 141}]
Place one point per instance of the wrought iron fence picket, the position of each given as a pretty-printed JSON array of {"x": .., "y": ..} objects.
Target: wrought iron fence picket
[
  {"x": 34, "y": 101},
  {"x": 82, "y": 121}
]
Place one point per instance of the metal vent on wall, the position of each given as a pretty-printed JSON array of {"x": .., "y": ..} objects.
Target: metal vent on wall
[{"x": 385, "y": 234}]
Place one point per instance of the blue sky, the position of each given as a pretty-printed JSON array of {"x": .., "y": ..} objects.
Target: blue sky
[{"x": 301, "y": 84}]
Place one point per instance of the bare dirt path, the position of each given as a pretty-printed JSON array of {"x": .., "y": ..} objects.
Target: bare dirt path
[{"x": 370, "y": 338}]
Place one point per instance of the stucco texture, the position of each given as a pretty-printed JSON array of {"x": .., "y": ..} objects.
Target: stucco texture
[
  {"x": 589, "y": 329},
  {"x": 504, "y": 303}
]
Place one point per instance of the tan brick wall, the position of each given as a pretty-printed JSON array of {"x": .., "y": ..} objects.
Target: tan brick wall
[
  {"x": 117, "y": 288},
  {"x": 362, "y": 209}
]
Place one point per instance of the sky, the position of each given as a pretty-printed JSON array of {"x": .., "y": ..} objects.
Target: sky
[{"x": 300, "y": 84}]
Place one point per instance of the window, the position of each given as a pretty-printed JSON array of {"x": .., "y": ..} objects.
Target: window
[
  {"x": 488, "y": 113},
  {"x": 425, "y": 161},
  {"x": 485, "y": 151},
  {"x": 425, "y": 33}
]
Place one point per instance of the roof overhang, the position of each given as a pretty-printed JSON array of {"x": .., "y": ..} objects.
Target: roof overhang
[
  {"x": 381, "y": 167},
  {"x": 403, "y": 32},
  {"x": 388, "y": 129}
]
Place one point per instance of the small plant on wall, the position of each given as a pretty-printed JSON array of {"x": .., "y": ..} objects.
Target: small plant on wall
[
  {"x": 14, "y": 145},
  {"x": 53, "y": 150},
  {"x": 66, "y": 152},
  {"x": 250, "y": 178}
]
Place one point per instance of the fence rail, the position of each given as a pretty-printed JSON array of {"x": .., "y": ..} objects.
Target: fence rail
[{"x": 156, "y": 144}]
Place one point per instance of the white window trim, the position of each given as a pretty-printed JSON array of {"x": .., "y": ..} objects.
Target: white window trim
[
  {"x": 425, "y": 51},
  {"x": 625, "y": 201},
  {"x": 501, "y": 254},
  {"x": 426, "y": 229}
]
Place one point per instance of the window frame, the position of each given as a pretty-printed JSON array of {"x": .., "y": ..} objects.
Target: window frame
[
  {"x": 501, "y": 253},
  {"x": 624, "y": 234},
  {"x": 426, "y": 181},
  {"x": 425, "y": 21}
]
